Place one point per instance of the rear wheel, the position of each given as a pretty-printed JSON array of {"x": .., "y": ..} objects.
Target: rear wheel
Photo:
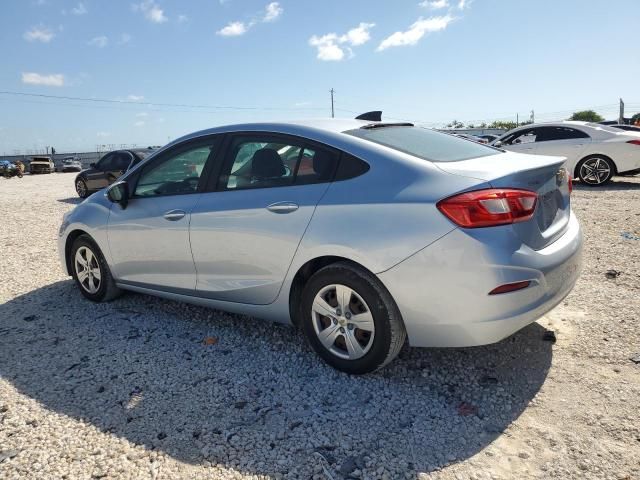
[
  {"x": 350, "y": 319},
  {"x": 595, "y": 170},
  {"x": 91, "y": 272},
  {"x": 81, "y": 188}
]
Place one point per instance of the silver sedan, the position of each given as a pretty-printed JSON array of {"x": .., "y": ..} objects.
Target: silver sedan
[{"x": 363, "y": 234}]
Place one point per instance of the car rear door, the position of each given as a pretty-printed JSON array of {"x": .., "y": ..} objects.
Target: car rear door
[
  {"x": 562, "y": 141},
  {"x": 245, "y": 232},
  {"x": 149, "y": 239}
]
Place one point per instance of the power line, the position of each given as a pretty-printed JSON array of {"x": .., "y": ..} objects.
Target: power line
[{"x": 155, "y": 104}]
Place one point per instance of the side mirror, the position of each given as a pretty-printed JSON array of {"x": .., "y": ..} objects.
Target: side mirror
[
  {"x": 497, "y": 144},
  {"x": 119, "y": 193}
]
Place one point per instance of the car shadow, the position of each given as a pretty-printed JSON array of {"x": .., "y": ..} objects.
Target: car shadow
[
  {"x": 617, "y": 183},
  {"x": 255, "y": 397},
  {"x": 71, "y": 200}
]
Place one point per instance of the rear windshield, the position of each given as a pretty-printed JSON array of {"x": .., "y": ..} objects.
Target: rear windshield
[{"x": 425, "y": 143}]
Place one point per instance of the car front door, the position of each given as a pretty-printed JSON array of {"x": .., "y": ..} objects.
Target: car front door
[
  {"x": 96, "y": 177},
  {"x": 149, "y": 239},
  {"x": 245, "y": 233}
]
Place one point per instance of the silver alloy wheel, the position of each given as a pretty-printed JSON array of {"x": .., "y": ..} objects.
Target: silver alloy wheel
[
  {"x": 81, "y": 188},
  {"x": 87, "y": 270},
  {"x": 595, "y": 171},
  {"x": 343, "y": 322}
]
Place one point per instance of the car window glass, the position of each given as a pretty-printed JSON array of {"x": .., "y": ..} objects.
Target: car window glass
[
  {"x": 178, "y": 174},
  {"x": 262, "y": 162},
  {"x": 106, "y": 163},
  {"x": 424, "y": 143},
  {"x": 526, "y": 136},
  {"x": 121, "y": 161},
  {"x": 351, "y": 167},
  {"x": 559, "y": 133}
]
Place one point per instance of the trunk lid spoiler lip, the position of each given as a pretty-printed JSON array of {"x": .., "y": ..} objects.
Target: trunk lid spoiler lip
[{"x": 503, "y": 164}]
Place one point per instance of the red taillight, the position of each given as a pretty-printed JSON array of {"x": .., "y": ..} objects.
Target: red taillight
[
  {"x": 490, "y": 207},
  {"x": 510, "y": 287},
  {"x": 634, "y": 142},
  {"x": 570, "y": 178}
]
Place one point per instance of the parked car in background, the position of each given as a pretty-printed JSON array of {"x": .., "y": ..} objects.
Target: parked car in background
[
  {"x": 108, "y": 169},
  {"x": 41, "y": 165},
  {"x": 9, "y": 169},
  {"x": 629, "y": 128},
  {"x": 593, "y": 152},
  {"x": 70, "y": 164},
  {"x": 390, "y": 231}
]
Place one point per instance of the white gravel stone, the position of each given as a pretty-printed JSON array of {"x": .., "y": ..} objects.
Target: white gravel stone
[{"x": 127, "y": 390}]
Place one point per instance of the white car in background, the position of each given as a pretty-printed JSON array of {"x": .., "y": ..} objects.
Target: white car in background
[{"x": 594, "y": 152}]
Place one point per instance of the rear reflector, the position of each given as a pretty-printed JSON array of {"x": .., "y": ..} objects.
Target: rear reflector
[
  {"x": 510, "y": 287},
  {"x": 634, "y": 142},
  {"x": 490, "y": 207}
]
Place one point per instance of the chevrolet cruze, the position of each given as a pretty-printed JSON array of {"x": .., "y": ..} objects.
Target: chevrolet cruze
[{"x": 363, "y": 234}]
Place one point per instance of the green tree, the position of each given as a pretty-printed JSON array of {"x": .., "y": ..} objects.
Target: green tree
[
  {"x": 586, "y": 116},
  {"x": 635, "y": 119},
  {"x": 455, "y": 124}
]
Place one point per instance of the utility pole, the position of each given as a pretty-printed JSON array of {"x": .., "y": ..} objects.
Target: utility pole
[
  {"x": 533, "y": 116},
  {"x": 621, "y": 117},
  {"x": 332, "y": 91},
  {"x": 517, "y": 120}
]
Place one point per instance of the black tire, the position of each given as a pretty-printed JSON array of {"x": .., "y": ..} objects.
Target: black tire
[
  {"x": 605, "y": 166},
  {"x": 390, "y": 334},
  {"x": 81, "y": 188},
  {"x": 107, "y": 289}
]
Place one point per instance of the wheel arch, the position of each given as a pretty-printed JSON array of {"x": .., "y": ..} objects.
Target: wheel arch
[
  {"x": 73, "y": 235},
  {"x": 576, "y": 169},
  {"x": 305, "y": 272}
]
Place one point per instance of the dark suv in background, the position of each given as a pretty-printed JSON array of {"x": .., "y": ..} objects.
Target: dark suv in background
[{"x": 108, "y": 169}]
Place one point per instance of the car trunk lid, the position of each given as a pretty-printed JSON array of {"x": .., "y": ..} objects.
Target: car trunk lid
[{"x": 541, "y": 174}]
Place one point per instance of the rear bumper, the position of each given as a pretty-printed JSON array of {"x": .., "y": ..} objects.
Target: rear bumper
[{"x": 442, "y": 291}]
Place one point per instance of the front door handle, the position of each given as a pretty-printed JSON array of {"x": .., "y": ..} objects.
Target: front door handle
[
  {"x": 173, "y": 215},
  {"x": 283, "y": 207}
]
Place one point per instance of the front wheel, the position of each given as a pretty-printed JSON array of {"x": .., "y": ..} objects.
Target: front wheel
[
  {"x": 350, "y": 319},
  {"x": 595, "y": 170},
  {"x": 91, "y": 272}
]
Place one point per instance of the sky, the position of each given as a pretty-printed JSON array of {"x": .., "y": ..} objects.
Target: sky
[{"x": 148, "y": 71}]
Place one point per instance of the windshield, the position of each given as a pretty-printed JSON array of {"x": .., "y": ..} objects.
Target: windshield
[{"x": 425, "y": 143}]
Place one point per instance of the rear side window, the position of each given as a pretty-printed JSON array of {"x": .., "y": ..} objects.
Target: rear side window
[
  {"x": 424, "y": 143},
  {"x": 351, "y": 167},
  {"x": 546, "y": 134},
  {"x": 271, "y": 161}
]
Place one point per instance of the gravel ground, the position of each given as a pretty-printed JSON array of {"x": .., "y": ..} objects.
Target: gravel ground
[{"x": 132, "y": 389}]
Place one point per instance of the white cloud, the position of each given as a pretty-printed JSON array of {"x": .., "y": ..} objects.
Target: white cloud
[
  {"x": 99, "y": 42},
  {"x": 50, "y": 80},
  {"x": 142, "y": 114},
  {"x": 135, "y": 98},
  {"x": 435, "y": 4},
  {"x": 416, "y": 32},
  {"x": 334, "y": 47},
  {"x": 139, "y": 123},
  {"x": 233, "y": 29},
  {"x": 103, "y": 134},
  {"x": 302, "y": 104},
  {"x": 124, "y": 39},
  {"x": 151, "y": 11},
  {"x": 462, "y": 4},
  {"x": 39, "y": 34},
  {"x": 79, "y": 9},
  {"x": 272, "y": 12},
  {"x": 183, "y": 18}
]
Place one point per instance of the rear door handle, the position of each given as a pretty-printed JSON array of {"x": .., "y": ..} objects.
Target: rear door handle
[
  {"x": 283, "y": 207},
  {"x": 173, "y": 215}
]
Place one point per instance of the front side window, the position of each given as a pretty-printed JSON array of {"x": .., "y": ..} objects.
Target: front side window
[
  {"x": 270, "y": 162},
  {"x": 522, "y": 137},
  {"x": 176, "y": 175},
  {"x": 424, "y": 143},
  {"x": 106, "y": 163},
  {"x": 121, "y": 161}
]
